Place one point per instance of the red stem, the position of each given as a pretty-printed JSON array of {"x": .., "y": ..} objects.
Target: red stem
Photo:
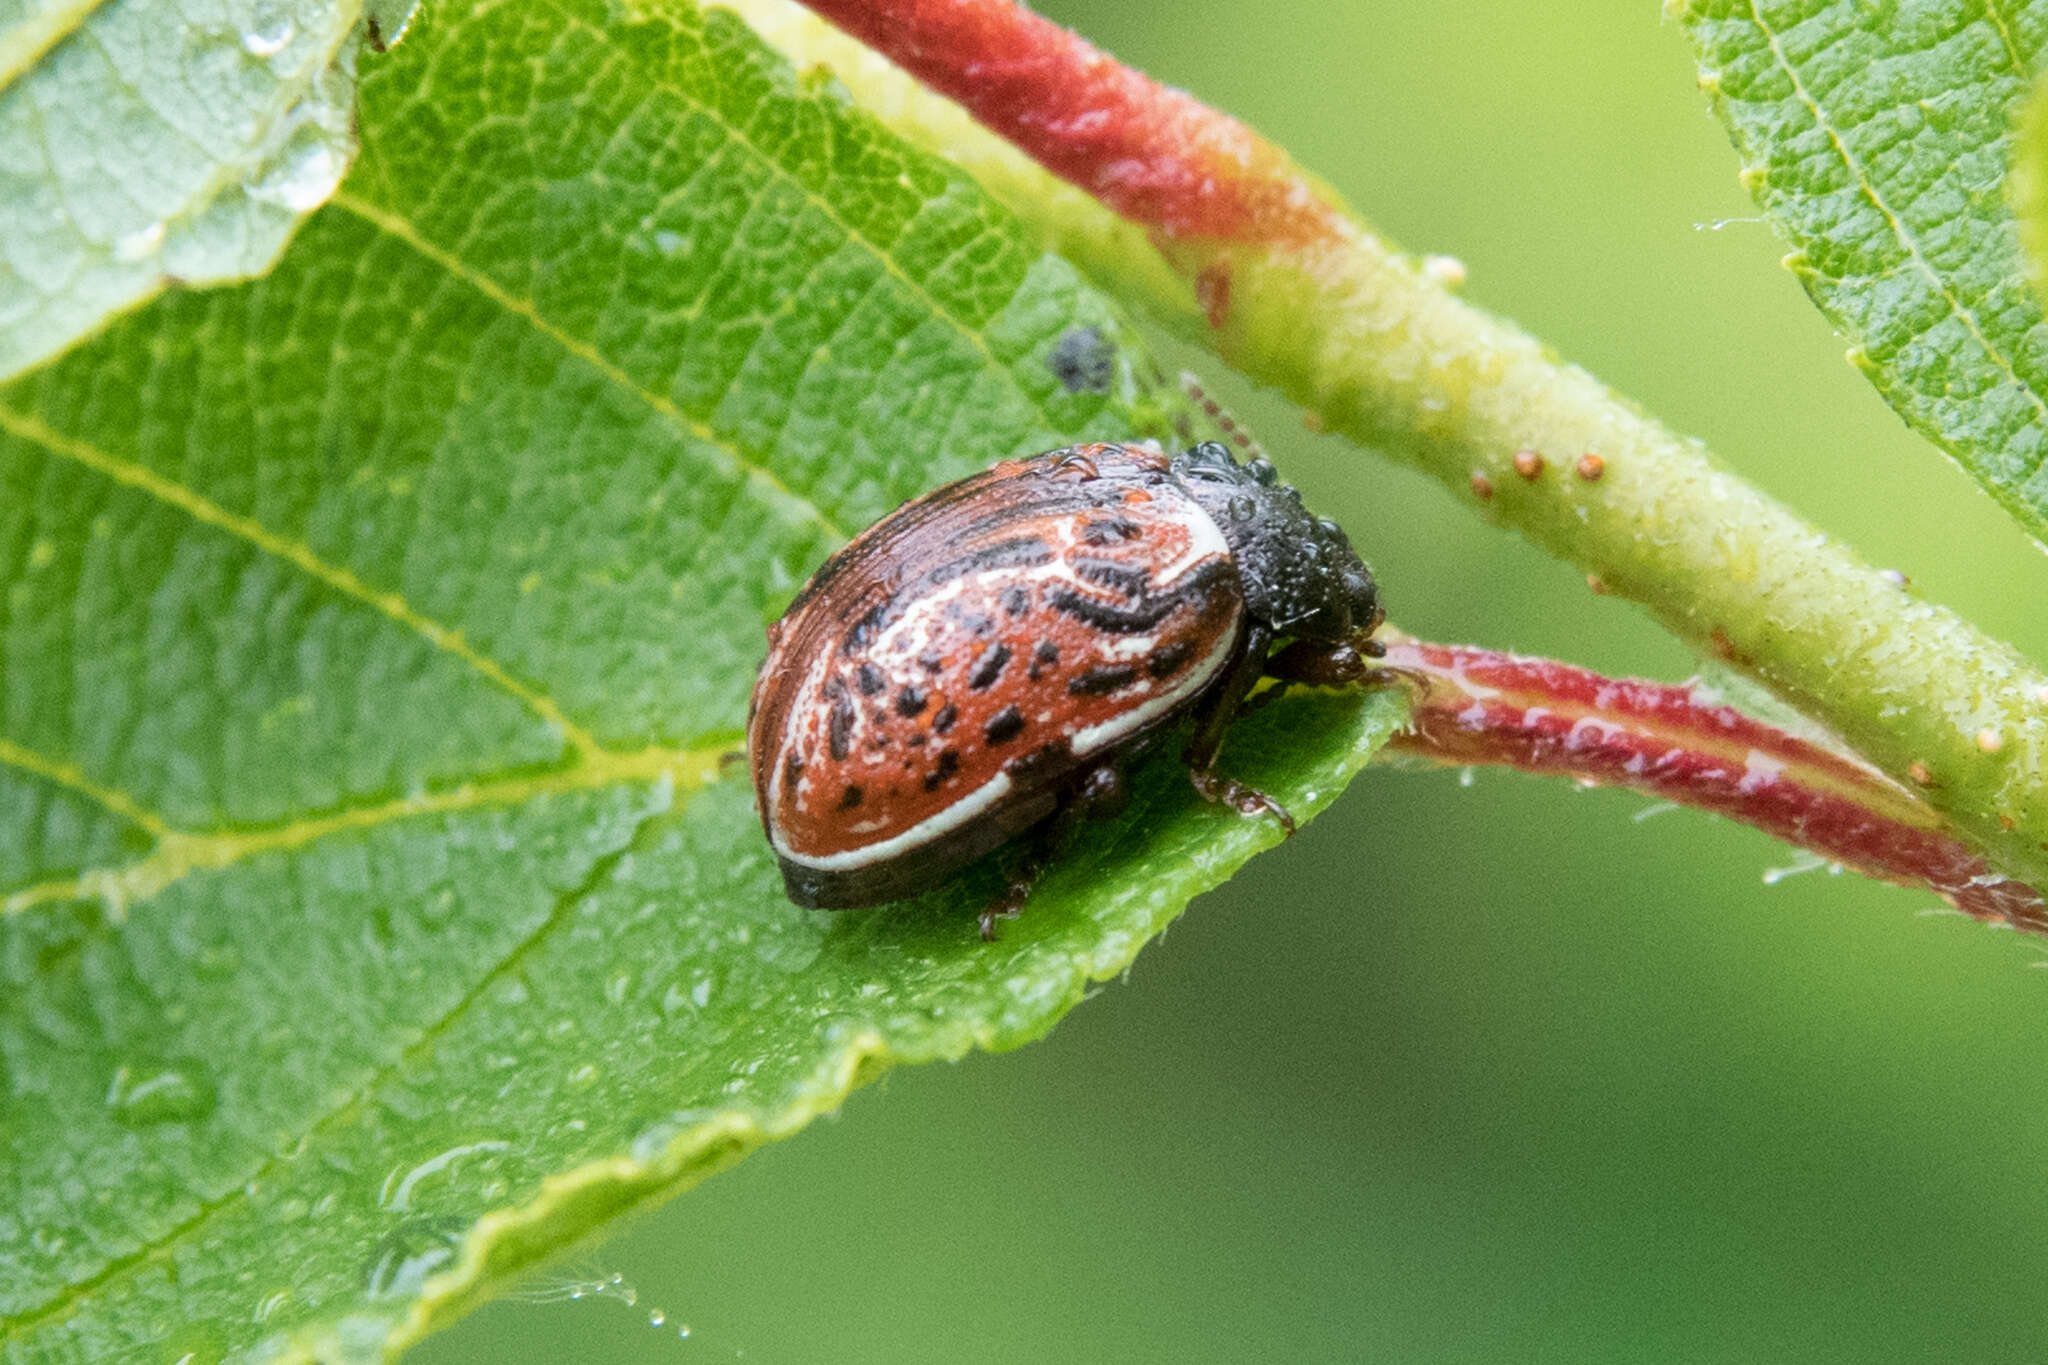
[
  {"x": 1153, "y": 154},
  {"x": 1482, "y": 706}
]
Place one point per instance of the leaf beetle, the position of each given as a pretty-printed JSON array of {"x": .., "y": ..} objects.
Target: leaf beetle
[{"x": 983, "y": 661}]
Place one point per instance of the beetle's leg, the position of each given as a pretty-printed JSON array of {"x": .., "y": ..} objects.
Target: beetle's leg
[
  {"x": 1100, "y": 792},
  {"x": 1320, "y": 664},
  {"x": 1213, "y": 719}
]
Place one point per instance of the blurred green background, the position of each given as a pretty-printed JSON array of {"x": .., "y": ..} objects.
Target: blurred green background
[{"x": 1485, "y": 1072}]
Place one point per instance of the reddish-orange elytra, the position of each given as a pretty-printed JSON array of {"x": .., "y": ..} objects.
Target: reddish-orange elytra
[{"x": 986, "y": 658}]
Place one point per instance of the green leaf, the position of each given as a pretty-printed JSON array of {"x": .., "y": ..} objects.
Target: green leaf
[
  {"x": 378, "y": 913},
  {"x": 1875, "y": 134},
  {"x": 157, "y": 142}
]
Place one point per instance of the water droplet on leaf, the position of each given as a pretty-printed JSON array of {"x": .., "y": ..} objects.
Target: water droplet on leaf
[
  {"x": 271, "y": 34},
  {"x": 407, "y": 1255},
  {"x": 149, "y": 1092}
]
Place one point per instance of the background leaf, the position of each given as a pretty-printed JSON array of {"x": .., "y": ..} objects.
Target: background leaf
[
  {"x": 379, "y": 915},
  {"x": 1876, "y": 138},
  {"x": 2029, "y": 185},
  {"x": 158, "y": 141}
]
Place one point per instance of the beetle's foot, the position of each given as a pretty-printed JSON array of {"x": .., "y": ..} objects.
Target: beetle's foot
[
  {"x": 1007, "y": 905},
  {"x": 1239, "y": 797},
  {"x": 998, "y": 909}
]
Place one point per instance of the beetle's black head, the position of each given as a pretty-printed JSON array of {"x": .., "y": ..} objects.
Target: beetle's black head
[{"x": 1301, "y": 577}]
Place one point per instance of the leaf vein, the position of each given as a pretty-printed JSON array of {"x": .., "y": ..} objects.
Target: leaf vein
[
  {"x": 1899, "y": 233},
  {"x": 181, "y": 854},
  {"x": 917, "y": 290},
  {"x": 63, "y": 1303},
  {"x": 297, "y": 553},
  {"x": 2004, "y": 27},
  {"x": 71, "y": 777},
  {"x": 401, "y": 229}
]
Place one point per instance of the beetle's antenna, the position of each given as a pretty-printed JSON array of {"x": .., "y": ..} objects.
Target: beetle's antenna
[{"x": 1232, "y": 429}]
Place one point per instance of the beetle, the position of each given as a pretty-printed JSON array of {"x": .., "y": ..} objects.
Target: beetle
[{"x": 984, "y": 660}]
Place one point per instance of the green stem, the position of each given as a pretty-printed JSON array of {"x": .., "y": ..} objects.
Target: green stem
[{"x": 1378, "y": 348}]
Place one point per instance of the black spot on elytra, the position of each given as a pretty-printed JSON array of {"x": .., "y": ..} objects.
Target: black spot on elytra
[
  {"x": 909, "y": 702},
  {"x": 870, "y": 679},
  {"x": 931, "y": 661},
  {"x": 1193, "y": 590},
  {"x": 839, "y": 727},
  {"x": 916, "y": 741},
  {"x": 1084, "y": 361},
  {"x": 1107, "y": 573},
  {"x": 948, "y": 764},
  {"x": 1015, "y": 600},
  {"x": 792, "y": 768},
  {"x": 1004, "y": 726},
  {"x": 1043, "y": 657},
  {"x": 866, "y": 628},
  {"x": 851, "y": 797},
  {"x": 988, "y": 667},
  {"x": 1103, "y": 679},
  {"x": 1018, "y": 553},
  {"x": 943, "y": 721},
  {"x": 1109, "y": 531},
  {"x": 1171, "y": 659}
]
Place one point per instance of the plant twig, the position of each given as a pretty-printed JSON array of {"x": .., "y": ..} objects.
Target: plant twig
[
  {"x": 1234, "y": 246},
  {"x": 1481, "y": 706}
]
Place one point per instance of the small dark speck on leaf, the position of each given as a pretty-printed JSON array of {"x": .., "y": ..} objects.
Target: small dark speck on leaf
[{"x": 1083, "y": 361}]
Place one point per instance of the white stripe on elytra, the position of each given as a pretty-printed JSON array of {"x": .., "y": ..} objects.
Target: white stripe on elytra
[
  {"x": 1087, "y": 741},
  {"x": 949, "y": 818}
]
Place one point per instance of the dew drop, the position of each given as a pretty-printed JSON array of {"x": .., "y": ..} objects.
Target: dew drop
[
  {"x": 1447, "y": 271},
  {"x": 195, "y": 1344},
  {"x": 269, "y": 38},
  {"x": 407, "y": 1255},
  {"x": 150, "y": 1092},
  {"x": 398, "y": 1188},
  {"x": 140, "y": 244},
  {"x": 305, "y": 170}
]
